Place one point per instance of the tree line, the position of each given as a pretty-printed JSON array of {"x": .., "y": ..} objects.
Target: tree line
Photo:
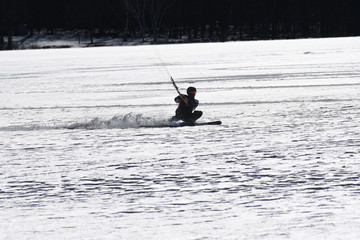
[{"x": 182, "y": 20}]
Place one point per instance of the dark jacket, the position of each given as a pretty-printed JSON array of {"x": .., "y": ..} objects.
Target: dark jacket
[{"x": 186, "y": 106}]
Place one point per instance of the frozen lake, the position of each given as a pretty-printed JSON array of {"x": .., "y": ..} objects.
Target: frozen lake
[{"x": 284, "y": 165}]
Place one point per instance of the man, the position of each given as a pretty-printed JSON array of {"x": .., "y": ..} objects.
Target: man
[{"x": 187, "y": 105}]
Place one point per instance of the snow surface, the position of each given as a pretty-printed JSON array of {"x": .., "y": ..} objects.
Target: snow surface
[{"x": 284, "y": 165}]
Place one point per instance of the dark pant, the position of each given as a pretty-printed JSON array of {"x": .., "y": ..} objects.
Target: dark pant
[
  {"x": 190, "y": 117},
  {"x": 196, "y": 115}
]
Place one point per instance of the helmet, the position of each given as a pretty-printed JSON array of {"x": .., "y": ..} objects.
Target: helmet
[{"x": 191, "y": 91}]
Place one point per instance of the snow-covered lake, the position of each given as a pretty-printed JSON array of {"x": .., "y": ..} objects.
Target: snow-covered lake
[{"x": 284, "y": 165}]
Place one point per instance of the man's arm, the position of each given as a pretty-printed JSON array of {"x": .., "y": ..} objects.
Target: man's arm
[{"x": 181, "y": 99}]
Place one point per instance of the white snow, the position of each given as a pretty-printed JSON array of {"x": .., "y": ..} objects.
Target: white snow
[{"x": 284, "y": 165}]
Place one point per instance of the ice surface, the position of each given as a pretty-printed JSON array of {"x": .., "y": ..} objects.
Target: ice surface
[{"x": 284, "y": 164}]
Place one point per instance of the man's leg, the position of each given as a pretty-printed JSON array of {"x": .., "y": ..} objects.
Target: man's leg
[{"x": 197, "y": 115}]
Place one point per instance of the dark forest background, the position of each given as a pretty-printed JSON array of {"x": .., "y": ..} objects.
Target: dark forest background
[{"x": 182, "y": 20}]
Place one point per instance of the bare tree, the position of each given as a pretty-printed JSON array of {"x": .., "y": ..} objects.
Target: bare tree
[
  {"x": 138, "y": 10},
  {"x": 157, "y": 10},
  {"x": 121, "y": 9}
]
